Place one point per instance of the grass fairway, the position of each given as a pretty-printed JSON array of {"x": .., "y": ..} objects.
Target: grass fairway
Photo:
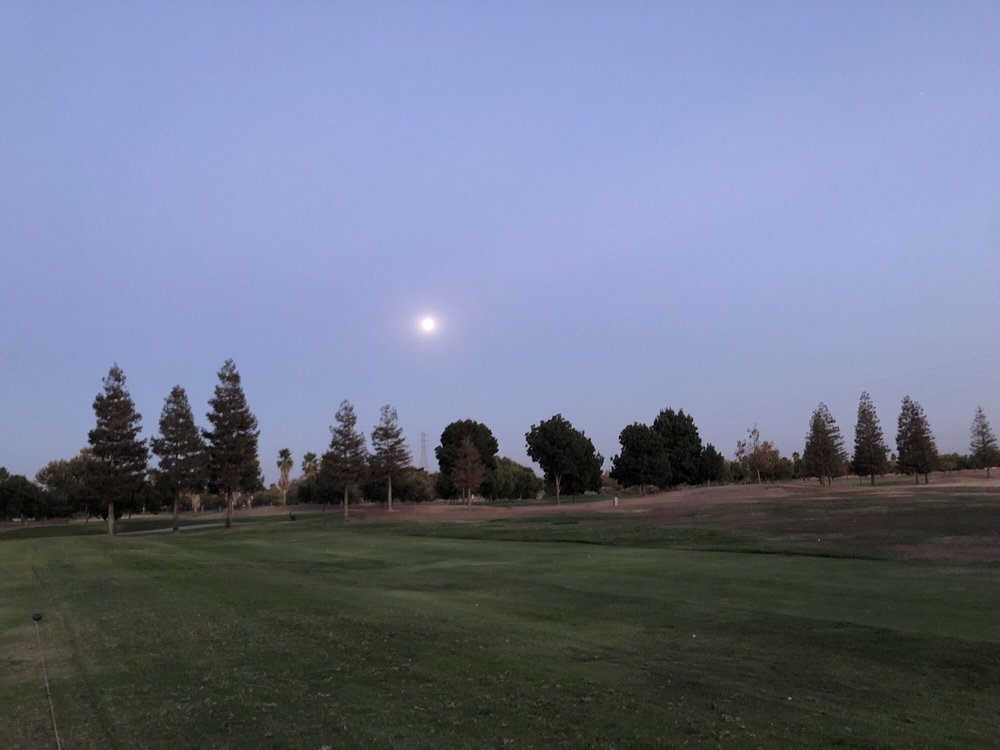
[{"x": 314, "y": 634}]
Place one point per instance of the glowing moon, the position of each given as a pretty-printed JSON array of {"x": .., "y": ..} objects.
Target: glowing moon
[{"x": 428, "y": 324}]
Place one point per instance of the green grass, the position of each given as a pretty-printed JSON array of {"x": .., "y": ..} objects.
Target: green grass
[{"x": 573, "y": 634}]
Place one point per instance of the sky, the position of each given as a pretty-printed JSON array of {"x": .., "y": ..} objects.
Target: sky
[{"x": 738, "y": 209}]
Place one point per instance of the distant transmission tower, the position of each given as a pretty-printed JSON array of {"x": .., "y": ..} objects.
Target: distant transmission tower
[{"x": 423, "y": 451}]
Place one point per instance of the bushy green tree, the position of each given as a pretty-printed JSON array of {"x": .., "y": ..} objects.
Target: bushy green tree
[
  {"x": 451, "y": 448},
  {"x": 566, "y": 455},
  {"x": 917, "y": 453},
  {"x": 409, "y": 485},
  {"x": 680, "y": 435},
  {"x": 643, "y": 460},
  {"x": 65, "y": 485},
  {"x": 232, "y": 440},
  {"x": 870, "y": 450},
  {"x": 346, "y": 462},
  {"x": 181, "y": 451},
  {"x": 714, "y": 466},
  {"x": 824, "y": 456},
  {"x": 983, "y": 445},
  {"x": 19, "y": 497},
  {"x": 119, "y": 455},
  {"x": 390, "y": 454},
  {"x": 512, "y": 481}
]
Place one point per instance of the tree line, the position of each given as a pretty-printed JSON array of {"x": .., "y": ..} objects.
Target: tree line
[
  {"x": 112, "y": 476},
  {"x": 825, "y": 456}
]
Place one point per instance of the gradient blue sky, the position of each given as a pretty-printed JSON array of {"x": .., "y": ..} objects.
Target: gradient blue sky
[{"x": 739, "y": 209}]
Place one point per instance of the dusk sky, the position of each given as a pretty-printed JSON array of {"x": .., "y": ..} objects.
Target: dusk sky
[{"x": 738, "y": 209}]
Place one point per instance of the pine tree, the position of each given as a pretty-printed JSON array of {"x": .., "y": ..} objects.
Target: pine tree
[
  {"x": 232, "y": 441},
  {"x": 284, "y": 465},
  {"x": 347, "y": 459},
  {"x": 870, "y": 449},
  {"x": 119, "y": 455},
  {"x": 389, "y": 447},
  {"x": 467, "y": 470},
  {"x": 914, "y": 441},
  {"x": 180, "y": 448},
  {"x": 983, "y": 445},
  {"x": 824, "y": 455}
]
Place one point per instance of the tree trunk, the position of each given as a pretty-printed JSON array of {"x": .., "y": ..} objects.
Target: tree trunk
[
  {"x": 558, "y": 478},
  {"x": 177, "y": 522},
  {"x": 987, "y": 472},
  {"x": 468, "y": 498},
  {"x": 345, "y": 502},
  {"x": 927, "y": 478},
  {"x": 229, "y": 509},
  {"x": 873, "y": 480},
  {"x": 916, "y": 478},
  {"x": 389, "y": 494},
  {"x": 111, "y": 518}
]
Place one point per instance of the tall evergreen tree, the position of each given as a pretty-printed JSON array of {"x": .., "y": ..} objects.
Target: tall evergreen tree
[
  {"x": 870, "y": 450},
  {"x": 119, "y": 455},
  {"x": 347, "y": 458},
  {"x": 643, "y": 459},
  {"x": 983, "y": 445},
  {"x": 232, "y": 440},
  {"x": 467, "y": 470},
  {"x": 180, "y": 449},
  {"x": 284, "y": 465},
  {"x": 917, "y": 453},
  {"x": 389, "y": 447},
  {"x": 683, "y": 443},
  {"x": 824, "y": 455}
]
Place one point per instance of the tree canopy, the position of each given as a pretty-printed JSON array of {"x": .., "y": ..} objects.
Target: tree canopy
[
  {"x": 644, "y": 458},
  {"x": 714, "y": 467},
  {"x": 566, "y": 455},
  {"x": 680, "y": 435},
  {"x": 511, "y": 480},
  {"x": 451, "y": 448}
]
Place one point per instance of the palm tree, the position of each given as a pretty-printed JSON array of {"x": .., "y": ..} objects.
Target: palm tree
[
  {"x": 310, "y": 465},
  {"x": 284, "y": 466}
]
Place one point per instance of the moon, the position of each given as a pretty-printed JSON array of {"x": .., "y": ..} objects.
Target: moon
[{"x": 428, "y": 324}]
